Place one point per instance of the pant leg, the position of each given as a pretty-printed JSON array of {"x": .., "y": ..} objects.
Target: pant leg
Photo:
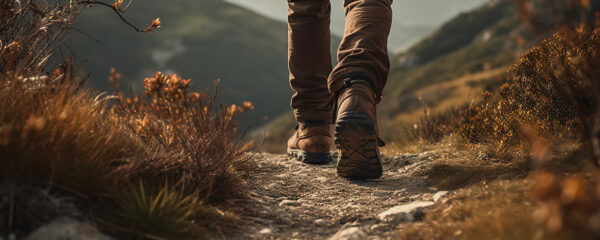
[
  {"x": 363, "y": 52},
  {"x": 309, "y": 59}
]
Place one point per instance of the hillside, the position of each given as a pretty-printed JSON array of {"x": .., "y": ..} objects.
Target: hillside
[
  {"x": 452, "y": 66},
  {"x": 478, "y": 41},
  {"x": 202, "y": 40}
]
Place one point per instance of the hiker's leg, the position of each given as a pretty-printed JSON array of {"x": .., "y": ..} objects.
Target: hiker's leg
[
  {"x": 309, "y": 59},
  {"x": 363, "y": 53}
]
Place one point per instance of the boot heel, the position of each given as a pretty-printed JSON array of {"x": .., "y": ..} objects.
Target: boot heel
[{"x": 357, "y": 143}]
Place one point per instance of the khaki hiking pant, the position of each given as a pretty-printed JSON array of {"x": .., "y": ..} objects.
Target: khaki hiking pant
[{"x": 362, "y": 55}]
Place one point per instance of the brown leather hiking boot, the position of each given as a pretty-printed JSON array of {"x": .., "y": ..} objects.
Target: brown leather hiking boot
[
  {"x": 311, "y": 144},
  {"x": 356, "y": 132}
]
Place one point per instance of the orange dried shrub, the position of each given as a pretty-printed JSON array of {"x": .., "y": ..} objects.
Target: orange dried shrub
[
  {"x": 546, "y": 90},
  {"x": 56, "y": 135},
  {"x": 199, "y": 138}
]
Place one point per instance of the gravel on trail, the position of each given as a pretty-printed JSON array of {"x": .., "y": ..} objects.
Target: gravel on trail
[{"x": 293, "y": 200}]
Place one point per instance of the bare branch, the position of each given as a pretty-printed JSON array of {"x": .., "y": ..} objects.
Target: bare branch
[{"x": 155, "y": 23}]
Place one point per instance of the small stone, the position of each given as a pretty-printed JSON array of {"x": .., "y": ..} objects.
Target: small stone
[
  {"x": 404, "y": 213},
  {"x": 353, "y": 233},
  {"x": 266, "y": 231},
  {"x": 321, "y": 222},
  {"x": 378, "y": 227},
  {"x": 437, "y": 196},
  {"x": 321, "y": 179},
  {"x": 289, "y": 203},
  {"x": 382, "y": 194},
  {"x": 67, "y": 228}
]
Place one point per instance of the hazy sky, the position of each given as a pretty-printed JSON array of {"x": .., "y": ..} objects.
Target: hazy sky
[{"x": 407, "y": 12}]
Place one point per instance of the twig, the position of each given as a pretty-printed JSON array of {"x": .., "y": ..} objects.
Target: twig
[
  {"x": 90, "y": 37},
  {"x": 116, "y": 10}
]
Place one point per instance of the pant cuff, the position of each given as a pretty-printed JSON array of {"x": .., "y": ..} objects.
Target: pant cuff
[{"x": 336, "y": 81}]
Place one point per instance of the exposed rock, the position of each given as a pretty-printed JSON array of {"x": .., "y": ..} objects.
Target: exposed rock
[
  {"x": 266, "y": 231},
  {"x": 405, "y": 213},
  {"x": 437, "y": 196},
  {"x": 67, "y": 228},
  {"x": 353, "y": 233}
]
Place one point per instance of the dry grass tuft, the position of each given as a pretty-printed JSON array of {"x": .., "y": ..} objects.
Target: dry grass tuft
[{"x": 433, "y": 127}]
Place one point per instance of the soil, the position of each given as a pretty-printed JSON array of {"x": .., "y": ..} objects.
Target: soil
[{"x": 293, "y": 200}]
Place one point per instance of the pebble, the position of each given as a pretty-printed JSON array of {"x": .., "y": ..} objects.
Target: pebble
[
  {"x": 378, "y": 227},
  {"x": 437, "y": 196},
  {"x": 382, "y": 194},
  {"x": 266, "y": 231},
  {"x": 353, "y": 233},
  {"x": 322, "y": 179},
  {"x": 67, "y": 228},
  {"x": 320, "y": 222}
]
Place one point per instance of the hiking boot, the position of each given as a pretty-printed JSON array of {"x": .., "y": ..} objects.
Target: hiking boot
[
  {"x": 356, "y": 132},
  {"x": 311, "y": 144}
]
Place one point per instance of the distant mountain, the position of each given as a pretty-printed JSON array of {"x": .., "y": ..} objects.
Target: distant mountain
[
  {"x": 203, "y": 40},
  {"x": 482, "y": 39},
  {"x": 461, "y": 59},
  {"x": 413, "y": 19},
  {"x": 403, "y": 36}
]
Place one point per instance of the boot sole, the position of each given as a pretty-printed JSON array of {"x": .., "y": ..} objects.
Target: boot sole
[
  {"x": 310, "y": 158},
  {"x": 356, "y": 141}
]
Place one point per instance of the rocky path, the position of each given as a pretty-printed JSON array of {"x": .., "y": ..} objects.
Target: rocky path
[{"x": 293, "y": 200}]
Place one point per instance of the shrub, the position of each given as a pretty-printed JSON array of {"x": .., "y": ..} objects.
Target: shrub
[
  {"x": 548, "y": 89},
  {"x": 130, "y": 163},
  {"x": 433, "y": 127}
]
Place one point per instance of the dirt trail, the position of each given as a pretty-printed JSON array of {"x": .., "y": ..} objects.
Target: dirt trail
[{"x": 293, "y": 200}]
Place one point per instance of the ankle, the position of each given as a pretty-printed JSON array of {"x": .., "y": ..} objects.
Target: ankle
[
  {"x": 361, "y": 88},
  {"x": 358, "y": 83}
]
